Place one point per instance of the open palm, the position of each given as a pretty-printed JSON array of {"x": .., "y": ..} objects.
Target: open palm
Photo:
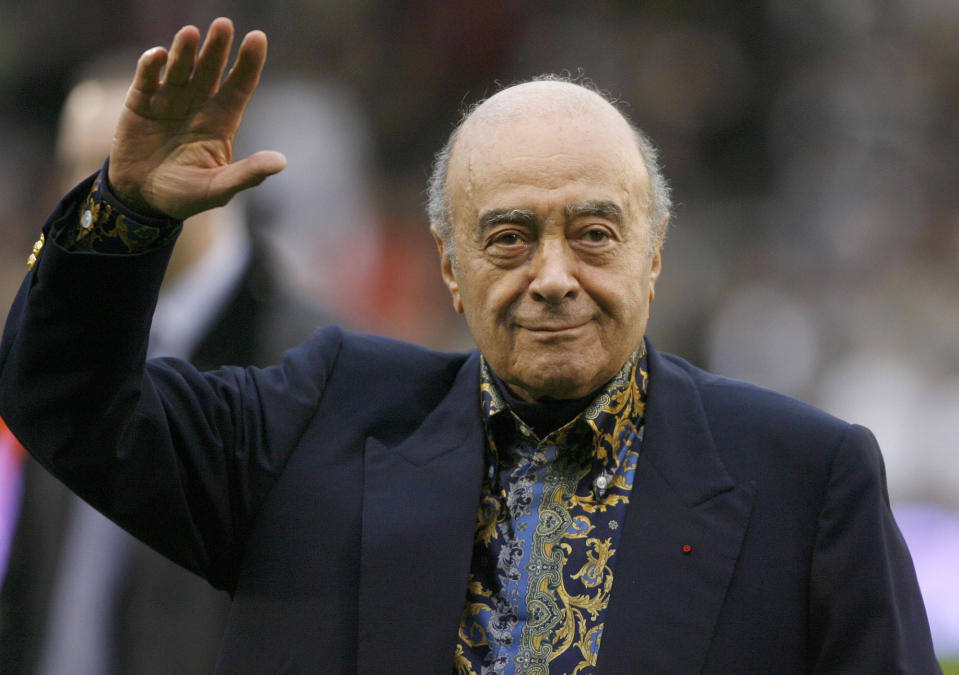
[{"x": 173, "y": 147}]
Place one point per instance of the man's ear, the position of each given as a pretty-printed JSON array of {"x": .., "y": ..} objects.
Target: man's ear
[
  {"x": 446, "y": 269},
  {"x": 655, "y": 267}
]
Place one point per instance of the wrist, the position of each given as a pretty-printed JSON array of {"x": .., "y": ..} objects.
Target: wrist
[
  {"x": 105, "y": 224},
  {"x": 128, "y": 195}
]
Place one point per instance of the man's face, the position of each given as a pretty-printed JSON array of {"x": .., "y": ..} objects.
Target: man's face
[{"x": 552, "y": 266}]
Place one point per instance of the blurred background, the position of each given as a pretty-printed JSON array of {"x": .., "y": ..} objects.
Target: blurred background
[{"x": 813, "y": 150}]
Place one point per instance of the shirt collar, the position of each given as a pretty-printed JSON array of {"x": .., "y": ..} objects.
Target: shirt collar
[{"x": 619, "y": 408}]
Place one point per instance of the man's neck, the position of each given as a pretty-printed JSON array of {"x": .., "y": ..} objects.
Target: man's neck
[{"x": 544, "y": 415}]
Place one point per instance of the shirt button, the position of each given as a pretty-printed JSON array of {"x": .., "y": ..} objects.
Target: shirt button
[
  {"x": 601, "y": 485},
  {"x": 86, "y": 220}
]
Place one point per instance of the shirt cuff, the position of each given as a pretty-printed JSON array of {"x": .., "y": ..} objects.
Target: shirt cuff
[{"x": 105, "y": 225}]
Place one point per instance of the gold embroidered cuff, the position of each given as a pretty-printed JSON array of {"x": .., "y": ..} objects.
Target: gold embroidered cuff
[
  {"x": 105, "y": 226},
  {"x": 37, "y": 247}
]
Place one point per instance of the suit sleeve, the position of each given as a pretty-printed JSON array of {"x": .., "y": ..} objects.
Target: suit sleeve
[
  {"x": 866, "y": 611},
  {"x": 181, "y": 459}
]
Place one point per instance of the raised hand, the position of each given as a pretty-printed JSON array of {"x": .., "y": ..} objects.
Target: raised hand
[{"x": 173, "y": 147}]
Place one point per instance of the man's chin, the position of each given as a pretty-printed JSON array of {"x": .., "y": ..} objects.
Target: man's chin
[{"x": 556, "y": 383}]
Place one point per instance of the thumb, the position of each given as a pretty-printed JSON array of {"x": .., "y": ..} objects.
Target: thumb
[{"x": 247, "y": 173}]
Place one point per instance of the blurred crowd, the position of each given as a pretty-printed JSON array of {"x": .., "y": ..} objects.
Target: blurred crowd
[{"x": 813, "y": 150}]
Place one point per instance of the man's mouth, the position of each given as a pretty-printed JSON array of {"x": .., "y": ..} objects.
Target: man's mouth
[{"x": 552, "y": 326}]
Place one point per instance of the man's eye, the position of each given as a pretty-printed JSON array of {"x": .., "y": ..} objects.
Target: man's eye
[
  {"x": 596, "y": 236},
  {"x": 507, "y": 239}
]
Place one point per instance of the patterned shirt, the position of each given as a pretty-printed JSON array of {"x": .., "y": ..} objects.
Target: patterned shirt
[{"x": 547, "y": 532}]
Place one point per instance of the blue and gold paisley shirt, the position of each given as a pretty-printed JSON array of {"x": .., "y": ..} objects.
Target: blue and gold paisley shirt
[{"x": 547, "y": 531}]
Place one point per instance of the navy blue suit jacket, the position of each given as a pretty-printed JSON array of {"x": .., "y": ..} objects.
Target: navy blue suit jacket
[{"x": 335, "y": 495}]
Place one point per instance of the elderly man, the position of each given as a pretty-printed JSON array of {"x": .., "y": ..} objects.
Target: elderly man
[{"x": 564, "y": 500}]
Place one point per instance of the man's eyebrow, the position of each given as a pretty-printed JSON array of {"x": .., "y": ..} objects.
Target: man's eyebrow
[
  {"x": 599, "y": 209},
  {"x": 507, "y": 217}
]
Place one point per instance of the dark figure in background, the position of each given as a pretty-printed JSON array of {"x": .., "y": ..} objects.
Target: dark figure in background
[
  {"x": 565, "y": 499},
  {"x": 81, "y": 595}
]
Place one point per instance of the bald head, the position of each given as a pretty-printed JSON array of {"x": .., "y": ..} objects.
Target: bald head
[
  {"x": 528, "y": 113},
  {"x": 541, "y": 100}
]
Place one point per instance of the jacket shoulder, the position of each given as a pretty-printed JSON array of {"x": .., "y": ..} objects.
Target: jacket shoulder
[
  {"x": 729, "y": 399},
  {"x": 760, "y": 432},
  {"x": 387, "y": 383},
  {"x": 378, "y": 354},
  {"x": 366, "y": 364}
]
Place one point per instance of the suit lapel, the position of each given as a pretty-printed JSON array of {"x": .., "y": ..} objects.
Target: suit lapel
[
  {"x": 682, "y": 536},
  {"x": 419, "y": 513}
]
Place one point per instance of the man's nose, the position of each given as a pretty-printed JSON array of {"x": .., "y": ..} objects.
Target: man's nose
[{"x": 553, "y": 271}]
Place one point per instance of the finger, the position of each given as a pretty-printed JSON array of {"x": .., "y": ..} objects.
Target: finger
[
  {"x": 182, "y": 55},
  {"x": 246, "y": 173},
  {"x": 149, "y": 66},
  {"x": 245, "y": 74},
  {"x": 213, "y": 56}
]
